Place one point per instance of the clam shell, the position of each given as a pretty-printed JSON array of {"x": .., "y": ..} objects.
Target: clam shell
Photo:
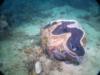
[{"x": 38, "y": 67}]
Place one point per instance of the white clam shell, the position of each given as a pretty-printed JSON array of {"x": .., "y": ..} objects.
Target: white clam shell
[{"x": 38, "y": 67}]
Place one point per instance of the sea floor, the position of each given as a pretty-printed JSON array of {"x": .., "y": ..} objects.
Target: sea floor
[{"x": 14, "y": 54}]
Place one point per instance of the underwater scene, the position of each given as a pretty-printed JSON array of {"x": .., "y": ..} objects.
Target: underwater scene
[{"x": 49, "y": 37}]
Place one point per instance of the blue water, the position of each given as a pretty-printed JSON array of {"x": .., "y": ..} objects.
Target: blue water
[{"x": 26, "y": 17}]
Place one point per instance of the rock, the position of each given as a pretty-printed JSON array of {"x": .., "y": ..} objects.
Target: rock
[
  {"x": 3, "y": 23},
  {"x": 64, "y": 40},
  {"x": 38, "y": 67},
  {"x": 4, "y": 28}
]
